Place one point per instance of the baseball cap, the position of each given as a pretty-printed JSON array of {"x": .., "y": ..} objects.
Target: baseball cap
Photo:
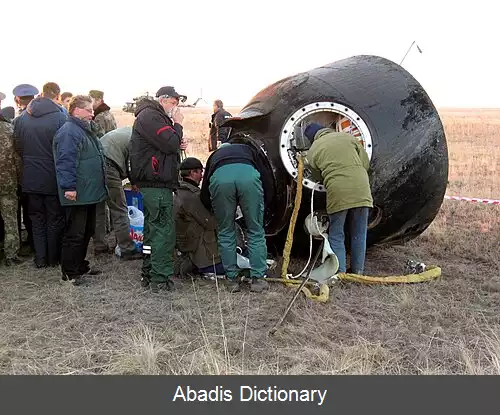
[
  {"x": 25, "y": 90},
  {"x": 171, "y": 92},
  {"x": 191, "y": 163},
  {"x": 2, "y": 96}
]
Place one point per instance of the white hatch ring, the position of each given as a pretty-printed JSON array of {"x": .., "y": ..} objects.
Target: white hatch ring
[{"x": 287, "y": 132}]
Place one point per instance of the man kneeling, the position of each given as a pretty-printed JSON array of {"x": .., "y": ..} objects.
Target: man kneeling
[{"x": 195, "y": 226}]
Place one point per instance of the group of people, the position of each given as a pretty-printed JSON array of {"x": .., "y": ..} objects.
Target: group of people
[
  {"x": 178, "y": 213},
  {"x": 52, "y": 166},
  {"x": 69, "y": 159}
]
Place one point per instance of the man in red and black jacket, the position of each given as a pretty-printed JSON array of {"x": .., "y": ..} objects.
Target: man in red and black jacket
[{"x": 157, "y": 138}]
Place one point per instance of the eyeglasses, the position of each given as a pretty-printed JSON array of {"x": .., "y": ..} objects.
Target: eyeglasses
[
  {"x": 175, "y": 99},
  {"x": 89, "y": 110}
]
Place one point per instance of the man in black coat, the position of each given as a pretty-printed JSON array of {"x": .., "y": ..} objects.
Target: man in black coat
[
  {"x": 218, "y": 133},
  {"x": 157, "y": 138},
  {"x": 23, "y": 95},
  {"x": 34, "y": 132}
]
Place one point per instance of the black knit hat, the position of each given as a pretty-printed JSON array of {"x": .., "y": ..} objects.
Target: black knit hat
[{"x": 191, "y": 163}]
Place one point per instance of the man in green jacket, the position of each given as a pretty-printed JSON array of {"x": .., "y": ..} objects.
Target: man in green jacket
[
  {"x": 342, "y": 163},
  {"x": 196, "y": 227},
  {"x": 116, "y": 157}
]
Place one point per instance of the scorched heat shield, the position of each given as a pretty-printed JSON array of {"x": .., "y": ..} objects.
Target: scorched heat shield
[{"x": 386, "y": 108}]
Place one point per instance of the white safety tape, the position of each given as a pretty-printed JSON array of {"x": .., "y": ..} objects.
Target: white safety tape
[{"x": 474, "y": 199}]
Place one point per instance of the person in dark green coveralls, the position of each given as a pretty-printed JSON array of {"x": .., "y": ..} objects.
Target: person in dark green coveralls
[
  {"x": 157, "y": 138},
  {"x": 233, "y": 177}
]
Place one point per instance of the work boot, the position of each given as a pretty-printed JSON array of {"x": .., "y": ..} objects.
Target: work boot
[
  {"x": 168, "y": 285},
  {"x": 77, "y": 280},
  {"x": 144, "y": 281},
  {"x": 155, "y": 288},
  {"x": 232, "y": 285},
  {"x": 40, "y": 263},
  {"x": 258, "y": 285}
]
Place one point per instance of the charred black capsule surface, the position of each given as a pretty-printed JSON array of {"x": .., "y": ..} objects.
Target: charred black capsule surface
[{"x": 387, "y": 109}]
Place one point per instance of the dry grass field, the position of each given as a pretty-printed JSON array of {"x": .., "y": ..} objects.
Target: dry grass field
[{"x": 447, "y": 326}]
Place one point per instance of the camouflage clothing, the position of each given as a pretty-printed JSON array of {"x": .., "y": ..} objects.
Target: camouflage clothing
[
  {"x": 104, "y": 119},
  {"x": 8, "y": 210},
  {"x": 10, "y": 163},
  {"x": 9, "y": 170}
]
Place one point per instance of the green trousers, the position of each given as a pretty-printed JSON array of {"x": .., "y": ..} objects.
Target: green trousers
[
  {"x": 159, "y": 234},
  {"x": 232, "y": 185}
]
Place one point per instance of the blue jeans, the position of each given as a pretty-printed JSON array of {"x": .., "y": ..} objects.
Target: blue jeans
[{"x": 357, "y": 219}]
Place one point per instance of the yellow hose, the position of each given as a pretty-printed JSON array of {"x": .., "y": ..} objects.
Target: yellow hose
[
  {"x": 431, "y": 273},
  {"x": 293, "y": 219},
  {"x": 324, "y": 291}
]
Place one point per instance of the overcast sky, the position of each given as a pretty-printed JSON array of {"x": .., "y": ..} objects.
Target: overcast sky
[{"x": 233, "y": 49}]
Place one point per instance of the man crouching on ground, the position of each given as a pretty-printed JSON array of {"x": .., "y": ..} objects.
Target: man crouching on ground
[
  {"x": 157, "y": 137},
  {"x": 81, "y": 179},
  {"x": 195, "y": 225}
]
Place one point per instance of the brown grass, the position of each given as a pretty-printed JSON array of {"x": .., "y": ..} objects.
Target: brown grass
[{"x": 448, "y": 326}]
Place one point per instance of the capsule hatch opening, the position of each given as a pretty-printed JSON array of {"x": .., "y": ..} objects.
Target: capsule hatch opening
[{"x": 329, "y": 114}]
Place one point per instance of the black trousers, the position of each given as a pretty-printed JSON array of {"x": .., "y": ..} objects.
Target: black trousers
[
  {"x": 80, "y": 226},
  {"x": 47, "y": 221}
]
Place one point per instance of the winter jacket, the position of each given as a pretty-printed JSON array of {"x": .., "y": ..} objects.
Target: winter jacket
[
  {"x": 34, "y": 132},
  {"x": 79, "y": 162},
  {"x": 232, "y": 154},
  {"x": 9, "y": 160},
  {"x": 154, "y": 147},
  {"x": 104, "y": 119},
  {"x": 218, "y": 133},
  {"x": 116, "y": 146},
  {"x": 195, "y": 226},
  {"x": 342, "y": 163}
]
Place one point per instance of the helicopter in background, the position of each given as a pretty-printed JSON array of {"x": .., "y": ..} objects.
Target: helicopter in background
[{"x": 131, "y": 106}]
